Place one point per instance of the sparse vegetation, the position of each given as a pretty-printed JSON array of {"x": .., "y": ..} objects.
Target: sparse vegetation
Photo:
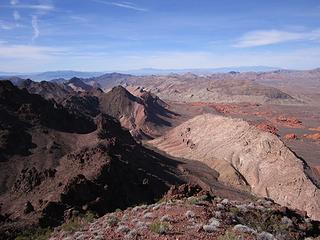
[
  {"x": 113, "y": 221},
  {"x": 229, "y": 235},
  {"x": 35, "y": 234},
  {"x": 262, "y": 221},
  {"x": 76, "y": 223},
  {"x": 159, "y": 227},
  {"x": 193, "y": 200}
]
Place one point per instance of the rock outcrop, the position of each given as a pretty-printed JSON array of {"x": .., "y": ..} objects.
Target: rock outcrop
[
  {"x": 189, "y": 213},
  {"x": 140, "y": 114},
  {"x": 254, "y": 158},
  {"x": 70, "y": 161}
]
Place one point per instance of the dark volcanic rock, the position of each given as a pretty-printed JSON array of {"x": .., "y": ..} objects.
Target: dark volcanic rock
[
  {"x": 48, "y": 90},
  {"x": 78, "y": 85},
  {"x": 80, "y": 191},
  {"x": 30, "y": 178},
  {"x": 77, "y": 158},
  {"x": 52, "y": 214},
  {"x": 33, "y": 109},
  {"x": 28, "y": 208},
  {"x": 82, "y": 104}
]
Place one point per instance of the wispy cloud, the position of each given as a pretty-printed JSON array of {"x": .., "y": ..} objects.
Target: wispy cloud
[
  {"x": 127, "y": 5},
  {"x": 35, "y": 26},
  {"x": 14, "y": 2},
  {"x": 21, "y": 51},
  {"x": 268, "y": 37},
  {"x": 78, "y": 18},
  {"x": 6, "y": 25},
  {"x": 41, "y": 7},
  {"x": 16, "y": 15}
]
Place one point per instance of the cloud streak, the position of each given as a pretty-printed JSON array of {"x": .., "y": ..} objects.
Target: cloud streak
[
  {"x": 40, "y": 7},
  {"x": 6, "y": 26},
  {"x": 127, "y": 5},
  {"x": 269, "y": 37},
  {"x": 35, "y": 26},
  {"x": 16, "y": 15},
  {"x": 21, "y": 51},
  {"x": 14, "y": 2}
]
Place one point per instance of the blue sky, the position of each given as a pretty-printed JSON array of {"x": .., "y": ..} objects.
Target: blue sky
[{"x": 102, "y": 35}]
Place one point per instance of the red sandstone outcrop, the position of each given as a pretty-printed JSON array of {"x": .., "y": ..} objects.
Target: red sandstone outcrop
[
  {"x": 289, "y": 121},
  {"x": 290, "y": 136},
  {"x": 315, "y": 129},
  {"x": 267, "y": 128},
  {"x": 315, "y": 136}
]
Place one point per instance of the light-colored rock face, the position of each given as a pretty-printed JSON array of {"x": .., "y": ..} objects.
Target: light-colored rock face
[{"x": 258, "y": 159}]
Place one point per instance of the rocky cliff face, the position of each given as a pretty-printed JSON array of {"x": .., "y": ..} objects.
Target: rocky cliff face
[
  {"x": 246, "y": 156},
  {"x": 140, "y": 114},
  {"x": 69, "y": 162}
]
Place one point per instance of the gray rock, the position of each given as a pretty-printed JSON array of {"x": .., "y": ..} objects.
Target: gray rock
[
  {"x": 225, "y": 201},
  {"x": 165, "y": 218},
  {"x": 132, "y": 234},
  {"x": 218, "y": 214},
  {"x": 141, "y": 225},
  {"x": 190, "y": 214},
  {"x": 209, "y": 228},
  {"x": 148, "y": 216},
  {"x": 123, "y": 229},
  {"x": 265, "y": 236},
  {"x": 286, "y": 221},
  {"x": 244, "y": 229},
  {"x": 214, "y": 222},
  {"x": 220, "y": 206},
  {"x": 242, "y": 208}
]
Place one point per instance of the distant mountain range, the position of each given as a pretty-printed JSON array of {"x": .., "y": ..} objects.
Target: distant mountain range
[
  {"x": 155, "y": 71},
  {"x": 67, "y": 74},
  {"x": 45, "y": 76}
]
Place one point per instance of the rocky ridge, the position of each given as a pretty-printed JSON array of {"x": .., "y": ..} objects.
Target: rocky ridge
[
  {"x": 247, "y": 158},
  {"x": 187, "y": 212}
]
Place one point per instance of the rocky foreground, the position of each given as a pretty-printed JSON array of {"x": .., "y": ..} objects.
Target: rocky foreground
[{"x": 187, "y": 212}]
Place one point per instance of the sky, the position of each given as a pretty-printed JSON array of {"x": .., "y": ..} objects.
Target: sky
[{"x": 102, "y": 35}]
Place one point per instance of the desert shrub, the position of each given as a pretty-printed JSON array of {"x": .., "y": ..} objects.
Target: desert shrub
[
  {"x": 35, "y": 234},
  {"x": 89, "y": 217},
  {"x": 262, "y": 221},
  {"x": 113, "y": 221},
  {"x": 159, "y": 227},
  {"x": 76, "y": 223},
  {"x": 193, "y": 200},
  {"x": 229, "y": 235},
  {"x": 72, "y": 225}
]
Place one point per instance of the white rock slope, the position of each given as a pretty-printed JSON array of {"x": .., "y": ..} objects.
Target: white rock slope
[{"x": 243, "y": 154}]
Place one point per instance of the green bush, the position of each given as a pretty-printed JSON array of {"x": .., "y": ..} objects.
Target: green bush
[
  {"x": 35, "y": 234},
  {"x": 228, "y": 235},
  {"x": 76, "y": 223},
  {"x": 112, "y": 221},
  {"x": 159, "y": 227}
]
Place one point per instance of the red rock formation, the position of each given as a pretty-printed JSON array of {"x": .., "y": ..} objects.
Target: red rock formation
[
  {"x": 291, "y": 122},
  {"x": 315, "y": 136},
  {"x": 315, "y": 129},
  {"x": 267, "y": 128},
  {"x": 290, "y": 136}
]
